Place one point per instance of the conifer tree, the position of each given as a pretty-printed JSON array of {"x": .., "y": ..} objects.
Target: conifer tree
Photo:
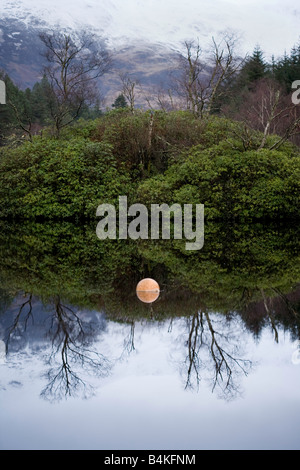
[
  {"x": 254, "y": 69},
  {"x": 287, "y": 69},
  {"x": 120, "y": 102}
]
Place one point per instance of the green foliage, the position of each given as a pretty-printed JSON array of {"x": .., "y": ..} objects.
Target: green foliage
[
  {"x": 231, "y": 183},
  {"x": 60, "y": 259},
  {"x": 59, "y": 179},
  {"x": 40, "y": 103},
  {"x": 67, "y": 260},
  {"x": 150, "y": 141},
  {"x": 25, "y": 111},
  {"x": 287, "y": 68},
  {"x": 16, "y": 109},
  {"x": 30, "y": 111},
  {"x": 170, "y": 157},
  {"x": 120, "y": 102},
  {"x": 255, "y": 68}
]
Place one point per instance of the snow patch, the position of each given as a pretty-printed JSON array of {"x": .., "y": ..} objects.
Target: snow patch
[{"x": 169, "y": 22}]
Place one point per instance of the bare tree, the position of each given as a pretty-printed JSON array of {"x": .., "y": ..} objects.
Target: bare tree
[
  {"x": 128, "y": 89},
  {"x": 227, "y": 366},
  {"x": 270, "y": 314},
  {"x": 162, "y": 98},
  {"x": 73, "y": 67},
  {"x": 194, "y": 344},
  {"x": 23, "y": 119},
  {"x": 202, "y": 79},
  {"x": 15, "y": 325},
  {"x": 129, "y": 345},
  {"x": 189, "y": 84},
  {"x": 268, "y": 109}
]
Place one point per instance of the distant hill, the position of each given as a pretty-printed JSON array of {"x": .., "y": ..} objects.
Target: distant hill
[{"x": 148, "y": 64}]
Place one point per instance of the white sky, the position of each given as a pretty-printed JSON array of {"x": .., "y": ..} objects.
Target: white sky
[
  {"x": 273, "y": 24},
  {"x": 143, "y": 403}
]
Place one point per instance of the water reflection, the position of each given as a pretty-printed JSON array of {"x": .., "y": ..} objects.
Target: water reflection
[
  {"x": 61, "y": 288},
  {"x": 214, "y": 348},
  {"x": 209, "y": 347},
  {"x": 65, "y": 338}
]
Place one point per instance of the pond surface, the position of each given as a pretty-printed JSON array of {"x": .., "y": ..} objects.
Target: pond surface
[{"x": 213, "y": 363}]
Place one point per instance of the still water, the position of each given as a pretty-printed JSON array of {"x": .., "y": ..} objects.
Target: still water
[{"x": 213, "y": 363}]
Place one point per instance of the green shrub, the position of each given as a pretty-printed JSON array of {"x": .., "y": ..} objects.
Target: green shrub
[
  {"x": 59, "y": 179},
  {"x": 231, "y": 184},
  {"x": 152, "y": 140}
]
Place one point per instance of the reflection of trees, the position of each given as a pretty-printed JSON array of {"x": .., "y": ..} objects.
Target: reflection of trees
[
  {"x": 14, "y": 329},
  {"x": 275, "y": 309},
  {"x": 71, "y": 341},
  {"x": 214, "y": 348},
  {"x": 269, "y": 314},
  {"x": 236, "y": 261},
  {"x": 288, "y": 304},
  {"x": 72, "y": 356},
  {"x": 129, "y": 339},
  {"x": 194, "y": 343},
  {"x": 213, "y": 344}
]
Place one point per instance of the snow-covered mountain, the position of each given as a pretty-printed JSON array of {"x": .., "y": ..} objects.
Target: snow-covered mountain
[
  {"x": 144, "y": 35},
  {"x": 271, "y": 23},
  {"x": 148, "y": 64},
  {"x": 148, "y": 61},
  {"x": 155, "y": 21}
]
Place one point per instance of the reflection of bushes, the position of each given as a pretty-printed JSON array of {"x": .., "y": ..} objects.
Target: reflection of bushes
[
  {"x": 60, "y": 259},
  {"x": 236, "y": 264},
  {"x": 234, "y": 259}
]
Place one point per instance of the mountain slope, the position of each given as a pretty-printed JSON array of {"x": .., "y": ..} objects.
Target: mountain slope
[
  {"x": 273, "y": 24},
  {"x": 21, "y": 58},
  {"x": 144, "y": 36}
]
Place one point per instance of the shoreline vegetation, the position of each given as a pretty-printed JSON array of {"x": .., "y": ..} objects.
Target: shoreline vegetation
[
  {"x": 186, "y": 161},
  {"x": 226, "y": 136},
  {"x": 242, "y": 269}
]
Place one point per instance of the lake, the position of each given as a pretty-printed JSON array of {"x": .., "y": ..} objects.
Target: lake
[{"x": 213, "y": 363}]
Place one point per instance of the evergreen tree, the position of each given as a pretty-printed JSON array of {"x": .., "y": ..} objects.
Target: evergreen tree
[
  {"x": 244, "y": 83},
  {"x": 120, "y": 102},
  {"x": 254, "y": 69},
  {"x": 41, "y": 101},
  {"x": 287, "y": 69},
  {"x": 15, "y": 114}
]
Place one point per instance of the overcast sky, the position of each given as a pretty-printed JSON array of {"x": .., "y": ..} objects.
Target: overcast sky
[{"x": 273, "y": 24}]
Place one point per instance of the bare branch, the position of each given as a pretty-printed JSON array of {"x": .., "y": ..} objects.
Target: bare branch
[{"x": 74, "y": 66}]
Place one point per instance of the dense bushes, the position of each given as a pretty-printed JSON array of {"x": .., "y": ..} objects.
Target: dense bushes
[
  {"x": 231, "y": 183},
  {"x": 154, "y": 157},
  {"x": 59, "y": 178},
  {"x": 150, "y": 141}
]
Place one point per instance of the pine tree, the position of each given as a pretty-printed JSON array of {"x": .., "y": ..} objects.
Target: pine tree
[
  {"x": 120, "y": 102},
  {"x": 254, "y": 69},
  {"x": 41, "y": 101},
  {"x": 287, "y": 68}
]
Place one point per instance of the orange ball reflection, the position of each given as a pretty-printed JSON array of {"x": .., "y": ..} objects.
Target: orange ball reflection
[{"x": 147, "y": 290}]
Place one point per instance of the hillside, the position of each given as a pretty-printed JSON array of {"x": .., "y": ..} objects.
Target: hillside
[{"x": 21, "y": 58}]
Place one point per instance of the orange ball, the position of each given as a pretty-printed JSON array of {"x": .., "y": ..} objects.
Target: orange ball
[{"x": 147, "y": 290}]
